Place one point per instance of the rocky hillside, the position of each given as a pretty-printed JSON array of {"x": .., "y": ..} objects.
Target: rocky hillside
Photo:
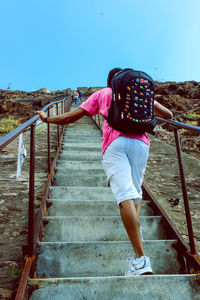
[
  {"x": 24, "y": 104},
  {"x": 182, "y": 98}
]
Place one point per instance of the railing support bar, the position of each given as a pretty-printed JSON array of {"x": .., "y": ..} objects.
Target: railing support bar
[
  {"x": 58, "y": 127},
  {"x": 62, "y": 111},
  {"x": 184, "y": 192},
  {"x": 48, "y": 146},
  {"x": 31, "y": 193}
]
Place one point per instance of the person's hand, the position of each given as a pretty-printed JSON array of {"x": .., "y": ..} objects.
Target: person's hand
[{"x": 41, "y": 114}]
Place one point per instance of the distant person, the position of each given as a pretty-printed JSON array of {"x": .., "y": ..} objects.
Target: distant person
[
  {"x": 78, "y": 98},
  {"x": 124, "y": 160},
  {"x": 80, "y": 95},
  {"x": 74, "y": 98}
]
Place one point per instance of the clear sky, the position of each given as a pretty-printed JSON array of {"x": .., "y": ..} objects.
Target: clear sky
[{"x": 57, "y": 44}]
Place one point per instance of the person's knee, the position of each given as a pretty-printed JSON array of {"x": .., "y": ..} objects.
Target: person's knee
[
  {"x": 126, "y": 203},
  {"x": 127, "y": 208}
]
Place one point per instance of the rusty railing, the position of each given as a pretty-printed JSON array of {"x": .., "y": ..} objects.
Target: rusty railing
[{"x": 35, "y": 226}]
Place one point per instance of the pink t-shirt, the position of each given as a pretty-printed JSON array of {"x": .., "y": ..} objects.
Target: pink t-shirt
[{"x": 99, "y": 103}]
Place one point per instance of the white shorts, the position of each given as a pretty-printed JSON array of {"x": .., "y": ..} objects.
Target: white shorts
[{"x": 124, "y": 162}]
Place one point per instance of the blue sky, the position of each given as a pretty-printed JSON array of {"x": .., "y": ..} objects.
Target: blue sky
[{"x": 57, "y": 44}]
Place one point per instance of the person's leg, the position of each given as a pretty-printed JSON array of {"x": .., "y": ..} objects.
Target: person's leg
[
  {"x": 131, "y": 223},
  {"x": 138, "y": 156},
  {"x": 118, "y": 170},
  {"x": 119, "y": 174}
]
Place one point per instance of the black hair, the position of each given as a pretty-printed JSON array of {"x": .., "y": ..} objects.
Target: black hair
[{"x": 111, "y": 74}]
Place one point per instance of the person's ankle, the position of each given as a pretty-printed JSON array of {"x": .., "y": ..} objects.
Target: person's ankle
[{"x": 139, "y": 257}]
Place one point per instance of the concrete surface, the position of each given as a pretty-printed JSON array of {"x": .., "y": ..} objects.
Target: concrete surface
[
  {"x": 156, "y": 287},
  {"x": 109, "y": 228},
  {"x": 101, "y": 258},
  {"x": 90, "y": 208}
]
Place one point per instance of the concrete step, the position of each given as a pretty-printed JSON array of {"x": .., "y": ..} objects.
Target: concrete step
[
  {"x": 76, "y": 179},
  {"x": 73, "y": 229},
  {"x": 82, "y": 147},
  {"x": 81, "y": 193},
  {"x": 82, "y": 141},
  {"x": 101, "y": 258},
  {"x": 84, "y": 120},
  {"x": 81, "y": 173},
  {"x": 82, "y": 129},
  {"x": 86, "y": 124},
  {"x": 90, "y": 208},
  {"x": 80, "y": 166},
  {"x": 91, "y": 134},
  {"x": 85, "y": 133},
  {"x": 147, "y": 287},
  {"x": 80, "y": 155}
]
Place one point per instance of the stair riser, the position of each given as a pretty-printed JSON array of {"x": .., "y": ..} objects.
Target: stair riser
[
  {"x": 89, "y": 208},
  {"x": 86, "y": 134},
  {"x": 81, "y": 126},
  {"x": 101, "y": 259},
  {"x": 81, "y": 173},
  {"x": 97, "y": 229},
  {"x": 85, "y": 128},
  {"x": 93, "y": 156},
  {"x": 65, "y": 166},
  {"x": 82, "y": 141},
  {"x": 81, "y": 147},
  {"x": 84, "y": 181},
  {"x": 82, "y": 193}
]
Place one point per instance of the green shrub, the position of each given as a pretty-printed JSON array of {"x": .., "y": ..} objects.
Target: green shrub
[
  {"x": 53, "y": 154},
  {"x": 194, "y": 116},
  {"x": 16, "y": 272},
  {"x": 8, "y": 124}
]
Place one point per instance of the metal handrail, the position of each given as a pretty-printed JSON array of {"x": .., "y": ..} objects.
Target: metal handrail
[
  {"x": 34, "y": 228},
  {"x": 177, "y": 125},
  {"x": 180, "y": 125},
  {"x": 8, "y": 138}
]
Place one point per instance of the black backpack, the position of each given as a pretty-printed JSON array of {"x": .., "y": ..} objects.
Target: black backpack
[{"x": 132, "y": 105}]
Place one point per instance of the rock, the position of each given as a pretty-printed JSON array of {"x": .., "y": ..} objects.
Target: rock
[
  {"x": 43, "y": 90},
  {"x": 5, "y": 294}
]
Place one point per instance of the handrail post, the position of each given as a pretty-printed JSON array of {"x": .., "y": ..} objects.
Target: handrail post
[
  {"x": 62, "y": 112},
  {"x": 48, "y": 145},
  {"x": 58, "y": 128},
  {"x": 31, "y": 193},
  {"x": 184, "y": 192},
  {"x": 62, "y": 107}
]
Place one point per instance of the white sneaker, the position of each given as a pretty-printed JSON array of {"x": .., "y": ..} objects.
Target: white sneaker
[{"x": 139, "y": 266}]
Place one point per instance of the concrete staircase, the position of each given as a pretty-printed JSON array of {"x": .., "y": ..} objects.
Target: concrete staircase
[{"x": 85, "y": 247}]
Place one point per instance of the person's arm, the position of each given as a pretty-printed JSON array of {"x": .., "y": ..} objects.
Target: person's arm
[
  {"x": 66, "y": 118},
  {"x": 162, "y": 111}
]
